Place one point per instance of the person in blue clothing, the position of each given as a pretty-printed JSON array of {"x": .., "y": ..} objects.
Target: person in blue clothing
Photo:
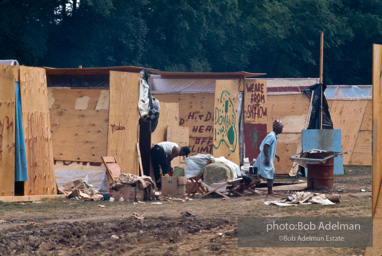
[{"x": 264, "y": 162}]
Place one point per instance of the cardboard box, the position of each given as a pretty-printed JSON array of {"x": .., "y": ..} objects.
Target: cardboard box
[
  {"x": 139, "y": 194},
  {"x": 175, "y": 186},
  {"x": 128, "y": 193}
]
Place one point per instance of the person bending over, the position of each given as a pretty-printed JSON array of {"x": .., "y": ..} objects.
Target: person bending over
[{"x": 161, "y": 156}]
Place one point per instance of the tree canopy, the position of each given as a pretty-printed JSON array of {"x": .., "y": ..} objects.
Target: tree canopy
[{"x": 277, "y": 37}]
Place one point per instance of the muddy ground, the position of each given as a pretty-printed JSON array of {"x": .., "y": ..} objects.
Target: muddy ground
[{"x": 75, "y": 227}]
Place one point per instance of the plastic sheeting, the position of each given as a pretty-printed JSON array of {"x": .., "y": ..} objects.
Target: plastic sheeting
[
  {"x": 348, "y": 92},
  {"x": 316, "y": 105},
  {"x": 97, "y": 178},
  {"x": 9, "y": 62},
  {"x": 159, "y": 85},
  {"x": 143, "y": 101},
  {"x": 21, "y": 167}
]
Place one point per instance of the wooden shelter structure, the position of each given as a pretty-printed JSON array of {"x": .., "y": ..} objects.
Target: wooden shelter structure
[
  {"x": 36, "y": 129},
  {"x": 209, "y": 106}
]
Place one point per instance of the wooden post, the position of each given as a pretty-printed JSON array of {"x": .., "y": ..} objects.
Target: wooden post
[{"x": 321, "y": 75}]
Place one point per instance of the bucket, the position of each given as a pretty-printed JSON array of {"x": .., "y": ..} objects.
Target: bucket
[{"x": 321, "y": 176}]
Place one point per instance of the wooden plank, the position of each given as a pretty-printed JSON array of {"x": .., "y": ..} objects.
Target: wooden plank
[
  {"x": 181, "y": 136},
  {"x": 195, "y": 111},
  {"x": 287, "y": 144},
  {"x": 71, "y": 98},
  {"x": 8, "y": 77},
  {"x": 377, "y": 126},
  {"x": 291, "y": 109},
  {"x": 340, "y": 113},
  {"x": 226, "y": 128},
  {"x": 37, "y": 133},
  {"x": 367, "y": 122},
  {"x": 291, "y": 187},
  {"x": 377, "y": 227},
  {"x": 168, "y": 116},
  {"x": 113, "y": 170},
  {"x": 14, "y": 199},
  {"x": 79, "y": 135},
  {"x": 79, "y": 123},
  {"x": 362, "y": 154},
  {"x": 124, "y": 120}
]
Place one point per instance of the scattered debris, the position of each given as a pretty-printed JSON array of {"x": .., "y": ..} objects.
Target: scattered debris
[
  {"x": 80, "y": 190},
  {"x": 156, "y": 203},
  {"x": 115, "y": 237},
  {"x": 3, "y": 221},
  {"x": 101, "y": 206},
  {"x": 363, "y": 190},
  {"x": 303, "y": 198},
  {"x": 138, "y": 216},
  {"x": 188, "y": 214}
]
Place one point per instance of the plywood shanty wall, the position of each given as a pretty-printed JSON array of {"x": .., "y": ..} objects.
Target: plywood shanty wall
[
  {"x": 362, "y": 153},
  {"x": 124, "y": 120},
  {"x": 377, "y": 123},
  {"x": 8, "y": 77},
  {"x": 292, "y": 110},
  {"x": 181, "y": 136},
  {"x": 36, "y": 125},
  {"x": 226, "y": 125},
  {"x": 351, "y": 117},
  {"x": 168, "y": 116},
  {"x": 255, "y": 115},
  {"x": 79, "y": 123},
  {"x": 196, "y": 111}
]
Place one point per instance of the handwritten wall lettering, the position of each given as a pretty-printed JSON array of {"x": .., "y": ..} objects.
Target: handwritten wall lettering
[
  {"x": 118, "y": 127},
  {"x": 197, "y": 116},
  {"x": 255, "y": 98},
  {"x": 202, "y": 145},
  {"x": 202, "y": 128},
  {"x": 225, "y": 122},
  {"x": 6, "y": 124}
]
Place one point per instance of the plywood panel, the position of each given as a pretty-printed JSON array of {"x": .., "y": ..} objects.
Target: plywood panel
[
  {"x": 36, "y": 125},
  {"x": 181, "y": 136},
  {"x": 255, "y": 101},
  {"x": 8, "y": 76},
  {"x": 79, "y": 135},
  {"x": 79, "y": 123},
  {"x": 291, "y": 109},
  {"x": 196, "y": 111},
  {"x": 169, "y": 116},
  {"x": 226, "y": 128},
  {"x": 348, "y": 116},
  {"x": 73, "y": 98},
  {"x": 124, "y": 120},
  {"x": 377, "y": 125},
  {"x": 367, "y": 122},
  {"x": 286, "y": 147},
  {"x": 362, "y": 154}
]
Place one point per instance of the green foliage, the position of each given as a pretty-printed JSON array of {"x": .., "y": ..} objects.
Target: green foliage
[{"x": 277, "y": 37}]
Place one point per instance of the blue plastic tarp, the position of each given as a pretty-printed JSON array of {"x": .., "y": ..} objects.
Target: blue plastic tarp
[{"x": 21, "y": 168}]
